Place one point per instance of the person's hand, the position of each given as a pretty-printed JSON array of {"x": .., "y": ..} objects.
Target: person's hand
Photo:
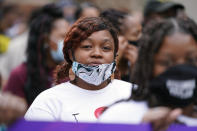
[
  {"x": 122, "y": 47},
  {"x": 11, "y": 108},
  {"x": 161, "y": 117},
  {"x": 131, "y": 53}
]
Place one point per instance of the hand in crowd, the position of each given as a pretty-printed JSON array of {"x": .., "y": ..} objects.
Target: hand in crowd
[
  {"x": 127, "y": 50},
  {"x": 11, "y": 108},
  {"x": 122, "y": 46},
  {"x": 161, "y": 117},
  {"x": 130, "y": 53}
]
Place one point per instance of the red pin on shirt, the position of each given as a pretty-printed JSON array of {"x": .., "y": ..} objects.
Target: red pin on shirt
[{"x": 99, "y": 111}]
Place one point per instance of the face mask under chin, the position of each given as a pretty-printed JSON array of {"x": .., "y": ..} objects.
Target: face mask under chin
[{"x": 94, "y": 75}]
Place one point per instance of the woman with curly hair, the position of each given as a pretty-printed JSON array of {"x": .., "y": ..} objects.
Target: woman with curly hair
[{"x": 90, "y": 49}]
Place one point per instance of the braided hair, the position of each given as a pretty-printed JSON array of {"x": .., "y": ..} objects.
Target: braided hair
[
  {"x": 80, "y": 31},
  {"x": 41, "y": 26},
  {"x": 150, "y": 43}
]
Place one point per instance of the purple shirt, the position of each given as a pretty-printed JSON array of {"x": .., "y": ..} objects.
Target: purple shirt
[{"x": 16, "y": 81}]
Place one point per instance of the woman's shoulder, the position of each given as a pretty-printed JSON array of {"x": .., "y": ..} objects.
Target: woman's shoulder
[
  {"x": 125, "y": 112},
  {"x": 121, "y": 83},
  {"x": 20, "y": 69}
]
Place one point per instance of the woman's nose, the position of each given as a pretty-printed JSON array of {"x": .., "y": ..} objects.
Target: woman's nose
[
  {"x": 96, "y": 52},
  {"x": 180, "y": 61}
]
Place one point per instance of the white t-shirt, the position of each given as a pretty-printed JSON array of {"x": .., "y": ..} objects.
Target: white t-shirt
[
  {"x": 68, "y": 102},
  {"x": 127, "y": 112},
  {"x": 132, "y": 112}
]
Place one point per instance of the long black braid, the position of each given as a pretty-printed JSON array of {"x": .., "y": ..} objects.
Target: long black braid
[{"x": 37, "y": 70}]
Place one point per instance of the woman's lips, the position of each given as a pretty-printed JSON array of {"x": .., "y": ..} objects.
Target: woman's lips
[{"x": 94, "y": 63}]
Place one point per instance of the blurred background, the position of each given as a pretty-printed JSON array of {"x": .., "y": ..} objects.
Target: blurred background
[
  {"x": 131, "y": 5},
  {"x": 15, "y": 17},
  {"x": 21, "y": 9},
  {"x": 24, "y": 45}
]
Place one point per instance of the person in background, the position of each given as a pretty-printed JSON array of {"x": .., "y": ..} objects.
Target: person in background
[
  {"x": 90, "y": 49},
  {"x": 14, "y": 55},
  {"x": 11, "y": 107},
  {"x": 11, "y": 26},
  {"x": 129, "y": 31},
  {"x": 44, "y": 52},
  {"x": 11, "y": 20},
  {"x": 87, "y": 9},
  {"x": 166, "y": 74},
  {"x": 69, "y": 8},
  {"x": 161, "y": 9},
  {"x": 7, "y": 18}
]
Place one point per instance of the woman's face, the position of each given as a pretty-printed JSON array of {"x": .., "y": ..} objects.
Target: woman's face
[
  {"x": 97, "y": 49},
  {"x": 176, "y": 49},
  {"x": 58, "y": 33},
  {"x": 133, "y": 28},
  {"x": 90, "y": 12}
]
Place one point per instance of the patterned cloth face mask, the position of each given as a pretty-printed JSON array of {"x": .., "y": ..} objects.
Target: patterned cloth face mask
[{"x": 94, "y": 75}]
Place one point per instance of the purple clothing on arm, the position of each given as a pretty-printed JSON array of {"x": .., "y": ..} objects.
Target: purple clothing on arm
[
  {"x": 16, "y": 81},
  {"x": 18, "y": 78}
]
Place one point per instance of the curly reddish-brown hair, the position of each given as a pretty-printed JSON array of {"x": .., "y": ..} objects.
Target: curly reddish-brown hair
[{"x": 80, "y": 31}]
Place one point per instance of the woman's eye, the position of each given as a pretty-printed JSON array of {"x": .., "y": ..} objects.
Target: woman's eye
[
  {"x": 107, "y": 48},
  {"x": 86, "y": 46}
]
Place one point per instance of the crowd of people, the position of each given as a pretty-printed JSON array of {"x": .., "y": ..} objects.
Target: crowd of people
[{"x": 78, "y": 63}]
